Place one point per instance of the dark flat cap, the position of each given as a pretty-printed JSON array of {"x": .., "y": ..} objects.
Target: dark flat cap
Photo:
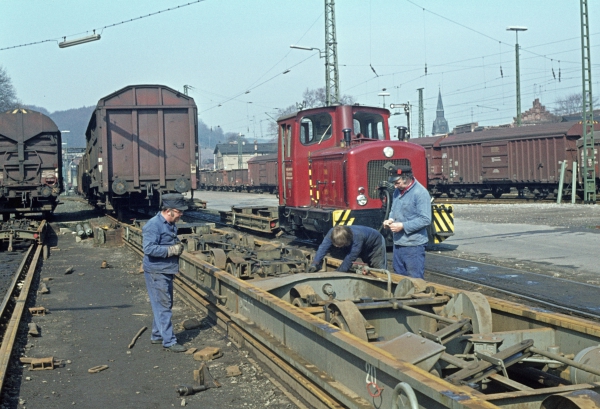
[
  {"x": 398, "y": 171},
  {"x": 174, "y": 201}
]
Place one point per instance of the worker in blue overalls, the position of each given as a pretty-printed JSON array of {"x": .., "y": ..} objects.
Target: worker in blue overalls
[
  {"x": 409, "y": 218},
  {"x": 162, "y": 249},
  {"x": 352, "y": 242}
]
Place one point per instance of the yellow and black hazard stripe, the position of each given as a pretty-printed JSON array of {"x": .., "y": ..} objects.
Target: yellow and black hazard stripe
[
  {"x": 342, "y": 218},
  {"x": 442, "y": 222}
]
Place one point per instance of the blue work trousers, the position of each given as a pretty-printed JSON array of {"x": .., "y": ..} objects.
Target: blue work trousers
[
  {"x": 160, "y": 291},
  {"x": 409, "y": 260}
]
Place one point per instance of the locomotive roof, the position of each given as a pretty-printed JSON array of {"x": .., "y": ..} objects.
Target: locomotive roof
[
  {"x": 146, "y": 94},
  {"x": 329, "y": 108},
  {"x": 24, "y": 124}
]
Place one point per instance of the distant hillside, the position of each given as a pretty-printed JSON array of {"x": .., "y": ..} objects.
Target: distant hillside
[{"x": 73, "y": 120}]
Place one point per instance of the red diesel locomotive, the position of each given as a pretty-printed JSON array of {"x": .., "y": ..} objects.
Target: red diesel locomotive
[{"x": 333, "y": 167}]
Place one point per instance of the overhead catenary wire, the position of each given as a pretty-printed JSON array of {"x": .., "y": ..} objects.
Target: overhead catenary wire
[{"x": 107, "y": 26}]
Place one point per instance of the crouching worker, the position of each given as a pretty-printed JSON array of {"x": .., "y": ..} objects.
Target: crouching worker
[
  {"x": 162, "y": 249},
  {"x": 349, "y": 243}
]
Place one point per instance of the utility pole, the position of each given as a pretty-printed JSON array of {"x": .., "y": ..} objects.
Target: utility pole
[
  {"x": 421, "y": 114},
  {"x": 516, "y": 30},
  {"x": 588, "y": 169},
  {"x": 332, "y": 80},
  {"x": 187, "y": 88},
  {"x": 240, "y": 160}
]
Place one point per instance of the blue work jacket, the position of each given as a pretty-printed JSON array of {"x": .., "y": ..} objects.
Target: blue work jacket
[
  {"x": 364, "y": 240},
  {"x": 158, "y": 235},
  {"x": 413, "y": 209}
]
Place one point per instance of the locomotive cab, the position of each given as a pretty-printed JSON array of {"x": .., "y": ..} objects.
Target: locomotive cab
[{"x": 332, "y": 168}]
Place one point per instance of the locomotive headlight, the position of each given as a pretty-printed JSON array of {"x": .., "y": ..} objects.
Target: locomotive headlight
[
  {"x": 388, "y": 151},
  {"x": 361, "y": 200}
]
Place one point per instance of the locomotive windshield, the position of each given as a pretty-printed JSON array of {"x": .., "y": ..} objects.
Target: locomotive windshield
[
  {"x": 369, "y": 125},
  {"x": 315, "y": 128}
]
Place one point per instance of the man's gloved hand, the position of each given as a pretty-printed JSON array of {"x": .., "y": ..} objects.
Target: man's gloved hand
[
  {"x": 175, "y": 250},
  {"x": 312, "y": 269}
]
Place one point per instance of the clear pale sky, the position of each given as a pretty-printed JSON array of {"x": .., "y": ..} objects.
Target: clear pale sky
[{"x": 224, "y": 48}]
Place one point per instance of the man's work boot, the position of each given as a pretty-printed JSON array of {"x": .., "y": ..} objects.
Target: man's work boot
[{"x": 176, "y": 348}]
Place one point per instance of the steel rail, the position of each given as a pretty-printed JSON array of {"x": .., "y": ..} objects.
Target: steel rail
[
  {"x": 556, "y": 307},
  {"x": 241, "y": 338},
  {"x": 8, "y": 340}
]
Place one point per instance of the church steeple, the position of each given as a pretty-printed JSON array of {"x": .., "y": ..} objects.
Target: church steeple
[{"x": 440, "y": 125}]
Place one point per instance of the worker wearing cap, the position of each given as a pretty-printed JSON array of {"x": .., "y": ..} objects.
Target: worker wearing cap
[
  {"x": 410, "y": 216},
  {"x": 161, "y": 262},
  {"x": 351, "y": 242}
]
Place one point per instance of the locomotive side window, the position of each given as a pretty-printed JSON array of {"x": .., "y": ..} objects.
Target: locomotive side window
[
  {"x": 315, "y": 128},
  {"x": 287, "y": 130},
  {"x": 369, "y": 125}
]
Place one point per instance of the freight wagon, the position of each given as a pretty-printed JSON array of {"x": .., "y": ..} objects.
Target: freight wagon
[
  {"x": 527, "y": 159},
  {"x": 30, "y": 163},
  {"x": 262, "y": 173},
  {"x": 261, "y": 176},
  {"x": 141, "y": 144}
]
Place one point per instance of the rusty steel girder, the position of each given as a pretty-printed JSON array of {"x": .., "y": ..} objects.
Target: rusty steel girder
[{"x": 445, "y": 348}]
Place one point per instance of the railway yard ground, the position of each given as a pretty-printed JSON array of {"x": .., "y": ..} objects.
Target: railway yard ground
[
  {"x": 93, "y": 316},
  {"x": 94, "y": 313}
]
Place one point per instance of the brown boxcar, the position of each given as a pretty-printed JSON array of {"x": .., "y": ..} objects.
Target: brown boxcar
[
  {"x": 141, "y": 143},
  {"x": 433, "y": 153},
  {"x": 238, "y": 179},
  {"x": 527, "y": 158},
  {"x": 262, "y": 173},
  {"x": 30, "y": 163}
]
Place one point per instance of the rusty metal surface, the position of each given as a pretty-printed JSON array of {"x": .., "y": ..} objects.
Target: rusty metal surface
[
  {"x": 25, "y": 274},
  {"x": 292, "y": 315}
]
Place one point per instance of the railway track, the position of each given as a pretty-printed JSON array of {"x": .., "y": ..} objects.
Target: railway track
[
  {"x": 503, "y": 200},
  {"x": 17, "y": 283}
]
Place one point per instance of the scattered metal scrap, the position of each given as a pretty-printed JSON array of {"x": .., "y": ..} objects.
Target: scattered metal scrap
[
  {"x": 33, "y": 330},
  {"x": 136, "y": 336},
  {"x": 40, "y": 364},
  {"x": 208, "y": 354},
  {"x": 98, "y": 368},
  {"x": 38, "y": 310},
  {"x": 203, "y": 380}
]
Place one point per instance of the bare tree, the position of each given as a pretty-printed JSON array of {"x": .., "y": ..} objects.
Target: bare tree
[
  {"x": 311, "y": 98},
  {"x": 571, "y": 104},
  {"x": 317, "y": 98},
  {"x": 8, "y": 95}
]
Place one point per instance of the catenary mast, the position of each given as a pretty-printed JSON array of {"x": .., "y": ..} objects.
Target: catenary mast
[{"x": 332, "y": 80}]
